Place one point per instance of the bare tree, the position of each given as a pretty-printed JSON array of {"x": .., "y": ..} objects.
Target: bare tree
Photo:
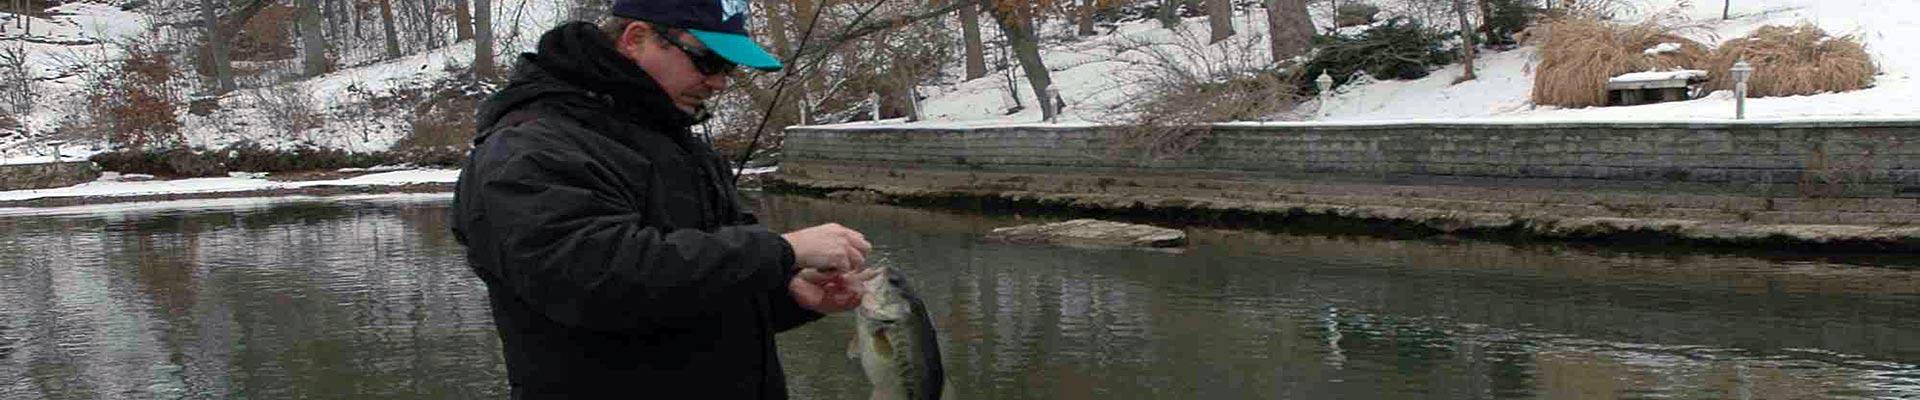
[
  {"x": 1016, "y": 21},
  {"x": 1220, "y": 19},
  {"x": 975, "y": 51},
  {"x": 1289, "y": 28},
  {"x": 777, "y": 27},
  {"x": 352, "y": 9},
  {"x": 462, "y": 21},
  {"x": 386, "y": 23},
  {"x": 330, "y": 10},
  {"x": 1486, "y": 11},
  {"x": 217, "y": 46},
  {"x": 1726, "y": 10},
  {"x": 1466, "y": 38},
  {"x": 315, "y": 62},
  {"x": 423, "y": 21},
  {"x": 1084, "y": 14},
  {"x": 483, "y": 40}
]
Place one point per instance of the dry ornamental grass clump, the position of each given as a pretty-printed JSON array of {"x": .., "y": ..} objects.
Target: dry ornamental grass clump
[
  {"x": 1796, "y": 60},
  {"x": 1579, "y": 54}
]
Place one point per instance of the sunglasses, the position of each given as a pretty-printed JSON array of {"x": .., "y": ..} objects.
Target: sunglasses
[{"x": 706, "y": 61}]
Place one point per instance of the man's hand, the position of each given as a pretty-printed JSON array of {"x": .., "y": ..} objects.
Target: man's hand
[
  {"x": 829, "y": 292},
  {"x": 830, "y": 247}
]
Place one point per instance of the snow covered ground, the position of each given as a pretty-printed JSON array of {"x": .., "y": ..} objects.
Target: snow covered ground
[
  {"x": 1093, "y": 78},
  {"x": 204, "y": 205},
  {"x": 111, "y": 185},
  {"x": 1095, "y": 75},
  {"x": 77, "y": 37}
]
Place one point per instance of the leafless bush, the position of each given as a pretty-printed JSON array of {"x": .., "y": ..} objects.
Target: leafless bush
[
  {"x": 1184, "y": 85},
  {"x": 16, "y": 80},
  {"x": 289, "y": 109}
]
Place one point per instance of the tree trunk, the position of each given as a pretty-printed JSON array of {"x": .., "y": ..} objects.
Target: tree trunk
[
  {"x": 331, "y": 16},
  {"x": 217, "y": 46},
  {"x": 1085, "y": 15},
  {"x": 777, "y": 27},
  {"x": 1220, "y": 19},
  {"x": 1486, "y": 13},
  {"x": 1169, "y": 13},
  {"x": 1726, "y": 10},
  {"x": 353, "y": 13},
  {"x": 1466, "y": 37},
  {"x": 483, "y": 68},
  {"x": 386, "y": 23},
  {"x": 976, "y": 58},
  {"x": 1289, "y": 29},
  {"x": 425, "y": 23},
  {"x": 462, "y": 21},
  {"x": 1026, "y": 49},
  {"x": 310, "y": 40}
]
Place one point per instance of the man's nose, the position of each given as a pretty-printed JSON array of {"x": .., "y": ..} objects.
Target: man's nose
[{"x": 718, "y": 81}]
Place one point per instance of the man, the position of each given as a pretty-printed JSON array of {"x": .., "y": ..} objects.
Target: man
[{"x": 618, "y": 258}]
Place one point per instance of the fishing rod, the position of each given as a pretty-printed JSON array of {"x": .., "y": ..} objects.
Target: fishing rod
[{"x": 780, "y": 84}]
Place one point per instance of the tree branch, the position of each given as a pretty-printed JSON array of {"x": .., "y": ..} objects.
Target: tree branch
[{"x": 876, "y": 26}]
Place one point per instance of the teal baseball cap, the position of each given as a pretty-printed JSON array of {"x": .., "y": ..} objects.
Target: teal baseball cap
[{"x": 719, "y": 24}]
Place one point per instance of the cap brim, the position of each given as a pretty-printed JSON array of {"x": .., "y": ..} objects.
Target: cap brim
[{"x": 739, "y": 49}]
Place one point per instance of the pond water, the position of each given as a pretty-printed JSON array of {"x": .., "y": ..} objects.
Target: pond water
[{"x": 370, "y": 297}]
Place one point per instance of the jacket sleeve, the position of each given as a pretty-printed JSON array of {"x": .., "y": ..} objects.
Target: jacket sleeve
[
  {"x": 787, "y": 314},
  {"x": 570, "y": 247}
]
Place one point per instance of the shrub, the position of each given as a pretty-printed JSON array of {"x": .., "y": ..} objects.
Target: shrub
[
  {"x": 291, "y": 107},
  {"x": 1352, "y": 14},
  {"x": 176, "y": 162},
  {"x": 444, "y": 118},
  {"x": 180, "y": 162},
  {"x": 1579, "y": 54},
  {"x": 132, "y": 100},
  {"x": 1506, "y": 18},
  {"x": 1397, "y": 49},
  {"x": 1186, "y": 84},
  {"x": 1796, "y": 60}
]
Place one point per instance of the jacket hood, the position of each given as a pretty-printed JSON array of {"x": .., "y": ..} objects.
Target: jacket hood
[{"x": 575, "y": 60}]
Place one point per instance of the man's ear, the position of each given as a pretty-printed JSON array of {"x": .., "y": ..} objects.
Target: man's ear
[{"x": 633, "y": 39}]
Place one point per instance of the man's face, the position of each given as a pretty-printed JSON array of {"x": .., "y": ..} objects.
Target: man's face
[{"x": 671, "y": 67}]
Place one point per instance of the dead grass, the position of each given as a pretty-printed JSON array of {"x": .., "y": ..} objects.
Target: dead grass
[
  {"x": 1578, "y": 55},
  {"x": 1796, "y": 60}
]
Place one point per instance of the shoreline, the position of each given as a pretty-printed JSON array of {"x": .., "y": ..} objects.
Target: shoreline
[
  {"x": 315, "y": 191},
  {"x": 1231, "y": 213},
  {"x": 1385, "y": 220}
]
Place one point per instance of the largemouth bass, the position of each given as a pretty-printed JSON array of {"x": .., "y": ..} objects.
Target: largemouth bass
[{"x": 895, "y": 343}]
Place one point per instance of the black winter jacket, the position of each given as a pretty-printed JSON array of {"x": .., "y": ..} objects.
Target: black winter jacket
[{"x": 618, "y": 257}]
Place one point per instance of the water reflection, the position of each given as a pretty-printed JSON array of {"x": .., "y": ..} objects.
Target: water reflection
[
  {"x": 1286, "y": 316},
  {"x": 299, "y": 299},
  {"x": 371, "y": 299}
]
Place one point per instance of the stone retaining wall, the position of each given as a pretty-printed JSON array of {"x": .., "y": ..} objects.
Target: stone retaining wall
[
  {"x": 1823, "y": 186},
  {"x": 1787, "y": 160},
  {"x": 47, "y": 175}
]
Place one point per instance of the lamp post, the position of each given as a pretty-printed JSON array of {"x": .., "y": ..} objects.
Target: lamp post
[
  {"x": 1325, "y": 84},
  {"x": 1741, "y": 71}
]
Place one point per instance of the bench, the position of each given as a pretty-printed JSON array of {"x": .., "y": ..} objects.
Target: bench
[{"x": 1653, "y": 87}]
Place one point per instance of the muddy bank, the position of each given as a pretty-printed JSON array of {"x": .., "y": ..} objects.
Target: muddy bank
[{"x": 1639, "y": 226}]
